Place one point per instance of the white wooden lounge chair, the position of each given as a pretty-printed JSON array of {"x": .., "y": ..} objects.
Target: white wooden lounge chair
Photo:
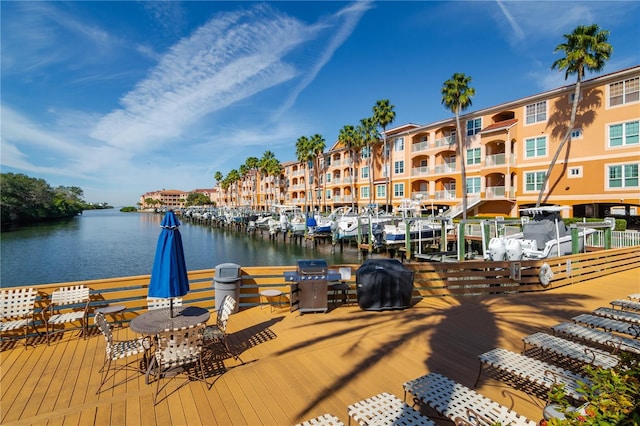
[
  {"x": 608, "y": 324},
  {"x": 532, "y": 370},
  {"x": 593, "y": 335},
  {"x": 117, "y": 350},
  {"x": 619, "y": 315},
  {"x": 568, "y": 349},
  {"x": 323, "y": 420},
  {"x": 456, "y": 401},
  {"x": 68, "y": 305},
  {"x": 386, "y": 409},
  {"x": 17, "y": 310},
  {"x": 626, "y": 304}
]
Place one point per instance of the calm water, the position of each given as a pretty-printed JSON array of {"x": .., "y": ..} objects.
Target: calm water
[{"x": 108, "y": 243}]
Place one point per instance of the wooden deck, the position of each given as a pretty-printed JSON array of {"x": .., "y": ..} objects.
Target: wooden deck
[{"x": 298, "y": 367}]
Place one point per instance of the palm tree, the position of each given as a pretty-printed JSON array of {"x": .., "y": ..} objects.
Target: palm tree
[
  {"x": 316, "y": 147},
  {"x": 456, "y": 97},
  {"x": 253, "y": 164},
  {"x": 384, "y": 115},
  {"x": 270, "y": 166},
  {"x": 234, "y": 177},
  {"x": 370, "y": 136},
  {"x": 585, "y": 49},
  {"x": 303, "y": 154},
  {"x": 352, "y": 140}
]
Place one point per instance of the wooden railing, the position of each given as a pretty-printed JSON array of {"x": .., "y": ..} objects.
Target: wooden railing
[{"x": 431, "y": 279}]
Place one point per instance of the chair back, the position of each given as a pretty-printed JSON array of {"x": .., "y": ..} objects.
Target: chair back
[
  {"x": 104, "y": 327},
  {"x": 163, "y": 302},
  {"x": 17, "y": 303},
  {"x": 179, "y": 346},
  {"x": 228, "y": 304},
  {"x": 345, "y": 273},
  {"x": 70, "y": 295}
]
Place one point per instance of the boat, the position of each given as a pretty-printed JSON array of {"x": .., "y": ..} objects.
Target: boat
[
  {"x": 544, "y": 236},
  {"x": 410, "y": 210},
  {"x": 348, "y": 223}
]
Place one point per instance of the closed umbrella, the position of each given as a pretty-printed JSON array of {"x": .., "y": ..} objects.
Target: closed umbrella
[{"x": 169, "y": 273}]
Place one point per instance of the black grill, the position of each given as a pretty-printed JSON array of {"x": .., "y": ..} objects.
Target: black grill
[{"x": 313, "y": 269}]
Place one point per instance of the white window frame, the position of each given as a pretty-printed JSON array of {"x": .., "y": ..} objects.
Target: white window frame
[
  {"x": 476, "y": 126},
  {"x": 624, "y": 135},
  {"x": 536, "y": 148},
  {"x": 398, "y": 190},
  {"x": 328, "y": 177},
  {"x": 381, "y": 191},
  {"x": 477, "y": 188},
  {"x": 534, "y": 113},
  {"x": 398, "y": 144},
  {"x": 364, "y": 172},
  {"x": 574, "y": 172},
  {"x": 576, "y": 134},
  {"x": 474, "y": 159},
  {"x": 623, "y": 178},
  {"x": 364, "y": 192},
  {"x": 398, "y": 167},
  {"x": 628, "y": 85},
  {"x": 365, "y": 152},
  {"x": 539, "y": 174},
  {"x": 328, "y": 194}
]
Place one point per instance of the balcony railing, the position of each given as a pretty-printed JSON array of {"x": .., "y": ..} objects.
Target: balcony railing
[
  {"x": 449, "y": 194},
  {"x": 420, "y": 171},
  {"x": 446, "y": 141},
  {"x": 445, "y": 168},
  {"x": 420, "y": 146},
  {"x": 499, "y": 192}
]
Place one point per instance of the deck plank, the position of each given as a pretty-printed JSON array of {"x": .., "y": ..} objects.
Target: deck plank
[{"x": 299, "y": 366}]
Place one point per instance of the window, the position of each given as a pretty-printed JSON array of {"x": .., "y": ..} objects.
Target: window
[
  {"x": 623, "y": 134},
  {"x": 328, "y": 177},
  {"x": 398, "y": 190},
  {"x": 364, "y": 192},
  {"x": 576, "y": 134},
  {"x": 624, "y": 92},
  {"x": 365, "y": 152},
  {"x": 327, "y": 161},
  {"x": 398, "y": 167},
  {"x": 398, "y": 144},
  {"x": 535, "y": 147},
  {"x": 623, "y": 176},
  {"x": 473, "y": 156},
  {"x": 533, "y": 181},
  {"x": 381, "y": 191},
  {"x": 327, "y": 194},
  {"x": 474, "y": 126},
  {"x": 574, "y": 172},
  {"x": 473, "y": 185},
  {"x": 364, "y": 172},
  {"x": 536, "y": 113}
]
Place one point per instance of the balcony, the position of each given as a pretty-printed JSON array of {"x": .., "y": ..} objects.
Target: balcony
[
  {"x": 420, "y": 171},
  {"x": 493, "y": 192},
  {"x": 499, "y": 160},
  {"x": 420, "y": 146},
  {"x": 447, "y": 194},
  {"x": 445, "y": 168},
  {"x": 447, "y": 141}
]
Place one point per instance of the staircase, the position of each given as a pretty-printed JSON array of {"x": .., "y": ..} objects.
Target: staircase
[{"x": 457, "y": 209}]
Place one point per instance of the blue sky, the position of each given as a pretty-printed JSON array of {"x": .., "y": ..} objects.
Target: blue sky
[{"x": 122, "y": 98}]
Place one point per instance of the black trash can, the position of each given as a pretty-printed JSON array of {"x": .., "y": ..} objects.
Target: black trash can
[
  {"x": 227, "y": 282},
  {"x": 383, "y": 284}
]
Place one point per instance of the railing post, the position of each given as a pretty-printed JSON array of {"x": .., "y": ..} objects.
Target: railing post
[
  {"x": 443, "y": 236},
  {"x": 607, "y": 238},
  {"x": 461, "y": 241},
  {"x": 407, "y": 239},
  {"x": 575, "y": 240}
]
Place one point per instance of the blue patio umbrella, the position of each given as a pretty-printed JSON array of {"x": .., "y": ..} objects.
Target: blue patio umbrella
[{"x": 169, "y": 273}]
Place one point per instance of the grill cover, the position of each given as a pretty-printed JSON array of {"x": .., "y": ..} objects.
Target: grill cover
[{"x": 383, "y": 284}]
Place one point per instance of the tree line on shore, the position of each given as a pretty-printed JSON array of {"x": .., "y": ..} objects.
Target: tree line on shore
[{"x": 24, "y": 199}]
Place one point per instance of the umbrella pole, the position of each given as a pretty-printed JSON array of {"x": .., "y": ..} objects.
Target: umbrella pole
[{"x": 171, "y": 307}]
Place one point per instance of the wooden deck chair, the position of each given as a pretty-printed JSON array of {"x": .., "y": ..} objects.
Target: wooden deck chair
[
  {"x": 68, "y": 305},
  {"x": 181, "y": 347},
  {"x": 218, "y": 333},
  {"x": 17, "y": 311},
  {"x": 460, "y": 404},
  {"x": 119, "y": 349},
  {"x": 163, "y": 302}
]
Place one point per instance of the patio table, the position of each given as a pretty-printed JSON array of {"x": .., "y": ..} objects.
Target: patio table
[
  {"x": 154, "y": 321},
  {"x": 157, "y": 320}
]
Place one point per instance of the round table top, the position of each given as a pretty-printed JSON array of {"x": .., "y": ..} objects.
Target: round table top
[
  {"x": 157, "y": 320},
  {"x": 111, "y": 309},
  {"x": 270, "y": 293}
]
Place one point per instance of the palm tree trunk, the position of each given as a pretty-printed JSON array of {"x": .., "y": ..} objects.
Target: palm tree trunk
[
  {"x": 463, "y": 168},
  {"x": 565, "y": 139}
]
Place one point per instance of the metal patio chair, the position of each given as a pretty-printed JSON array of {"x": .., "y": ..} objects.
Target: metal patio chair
[
  {"x": 163, "y": 302},
  {"x": 17, "y": 310},
  {"x": 117, "y": 350},
  {"x": 68, "y": 305},
  {"x": 218, "y": 333}
]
